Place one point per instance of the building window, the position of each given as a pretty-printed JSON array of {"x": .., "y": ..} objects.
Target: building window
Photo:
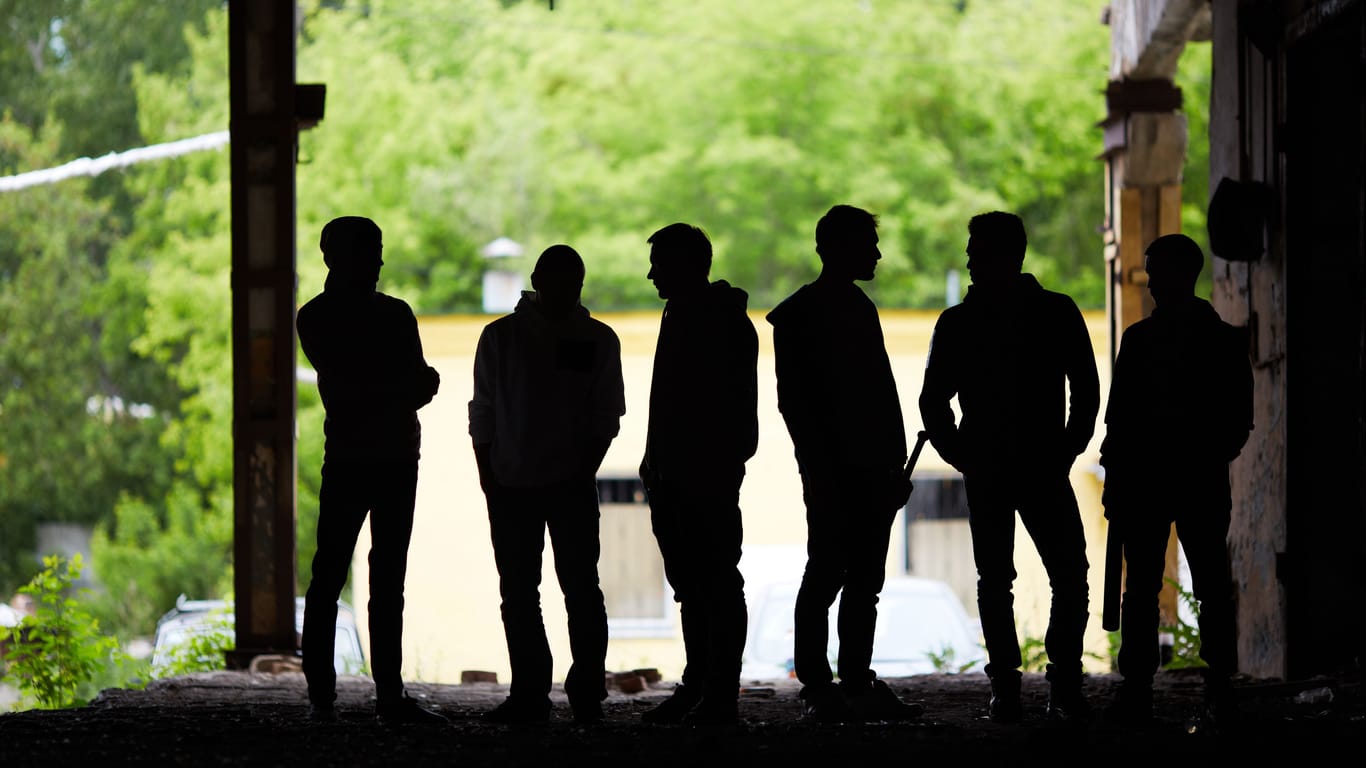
[
  {"x": 938, "y": 543},
  {"x": 630, "y": 569}
]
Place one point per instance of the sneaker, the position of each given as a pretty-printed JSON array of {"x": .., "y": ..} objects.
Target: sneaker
[
  {"x": 824, "y": 703},
  {"x": 1133, "y": 705},
  {"x": 879, "y": 702},
  {"x": 514, "y": 712},
  {"x": 586, "y": 712},
  {"x": 674, "y": 708},
  {"x": 406, "y": 710},
  {"x": 713, "y": 712},
  {"x": 1068, "y": 704},
  {"x": 319, "y": 712},
  {"x": 1005, "y": 705}
]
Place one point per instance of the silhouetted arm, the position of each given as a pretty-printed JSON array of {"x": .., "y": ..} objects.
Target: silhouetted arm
[
  {"x": 426, "y": 380},
  {"x": 1083, "y": 385},
  {"x": 936, "y": 394},
  {"x": 607, "y": 405},
  {"x": 483, "y": 425},
  {"x": 1239, "y": 390},
  {"x": 799, "y": 399}
]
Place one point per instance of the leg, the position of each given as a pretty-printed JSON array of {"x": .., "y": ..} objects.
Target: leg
[
  {"x": 1204, "y": 537},
  {"x": 821, "y": 582},
  {"x": 573, "y": 521},
  {"x": 869, "y": 535},
  {"x": 668, "y": 519},
  {"x": 991, "y": 522},
  {"x": 1053, "y": 521},
  {"x": 342, "y": 507},
  {"x": 1145, "y": 547},
  {"x": 517, "y": 529},
  {"x": 391, "y": 528}
]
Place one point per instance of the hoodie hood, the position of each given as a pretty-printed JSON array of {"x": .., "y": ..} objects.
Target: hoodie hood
[
  {"x": 529, "y": 307},
  {"x": 1023, "y": 284}
]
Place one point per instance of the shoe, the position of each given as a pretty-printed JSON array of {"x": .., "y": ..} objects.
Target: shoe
[
  {"x": 824, "y": 704},
  {"x": 674, "y": 708},
  {"x": 879, "y": 702},
  {"x": 713, "y": 712},
  {"x": 1133, "y": 705},
  {"x": 586, "y": 712},
  {"x": 514, "y": 712},
  {"x": 1068, "y": 705},
  {"x": 319, "y": 712},
  {"x": 1005, "y": 705},
  {"x": 406, "y": 710}
]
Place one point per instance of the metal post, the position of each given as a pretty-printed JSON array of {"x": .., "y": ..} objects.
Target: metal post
[{"x": 261, "y": 40}]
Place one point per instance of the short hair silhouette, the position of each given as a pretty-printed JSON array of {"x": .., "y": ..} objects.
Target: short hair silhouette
[
  {"x": 838, "y": 224},
  {"x": 1176, "y": 257},
  {"x": 999, "y": 234},
  {"x": 560, "y": 261},
  {"x": 347, "y": 237},
  {"x": 685, "y": 242}
]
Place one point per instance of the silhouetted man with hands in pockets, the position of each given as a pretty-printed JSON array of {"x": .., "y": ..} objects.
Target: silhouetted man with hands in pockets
[
  {"x": 548, "y": 401},
  {"x": 839, "y": 400},
  {"x": 372, "y": 378},
  {"x": 1179, "y": 411},
  {"x": 703, "y": 427},
  {"x": 1012, "y": 352}
]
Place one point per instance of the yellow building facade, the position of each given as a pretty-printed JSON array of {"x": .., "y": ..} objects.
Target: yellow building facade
[{"x": 451, "y": 616}]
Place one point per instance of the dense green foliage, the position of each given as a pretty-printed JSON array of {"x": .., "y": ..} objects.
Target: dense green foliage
[{"x": 451, "y": 123}]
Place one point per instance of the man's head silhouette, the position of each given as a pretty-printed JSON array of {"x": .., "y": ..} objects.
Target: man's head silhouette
[
  {"x": 680, "y": 259},
  {"x": 996, "y": 247},
  {"x": 353, "y": 249},
  {"x": 846, "y": 241},
  {"x": 1173, "y": 262},
  {"x": 558, "y": 280}
]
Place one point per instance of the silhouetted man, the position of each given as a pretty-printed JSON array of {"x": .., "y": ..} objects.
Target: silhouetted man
[
  {"x": 548, "y": 401},
  {"x": 1180, "y": 409},
  {"x": 703, "y": 427},
  {"x": 1014, "y": 353},
  {"x": 839, "y": 400},
  {"x": 372, "y": 379}
]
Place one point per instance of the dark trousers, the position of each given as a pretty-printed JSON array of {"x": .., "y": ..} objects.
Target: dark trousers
[
  {"x": 699, "y": 531},
  {"x": 1047, "y": 506},
  {"x": 1203, "y": 533},
  {"x": 518, "y": 521},
  {"x": 350, "y": 491},
  {"x": 847, "y": 535}
]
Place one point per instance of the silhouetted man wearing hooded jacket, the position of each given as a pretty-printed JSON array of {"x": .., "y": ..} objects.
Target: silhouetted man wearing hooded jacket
[
  {"x": 372, "y": 378},
  {"x": 703, "y": 427}
]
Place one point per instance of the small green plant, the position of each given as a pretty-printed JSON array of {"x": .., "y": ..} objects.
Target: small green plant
[
  {"x": 944, "y": 661},
  {"x": 52, "y": 654},
  {"x": 203, "y": 650},
  {"x": 1185, "y": 637},
  {"x": 1033, "y": 656}
]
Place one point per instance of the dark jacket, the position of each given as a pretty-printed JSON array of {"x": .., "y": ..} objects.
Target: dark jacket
[
  {"x": 1180, "y": 406},
  {"x": 372, "y": 376},
  {"x": 836, "y": 391},
  {"x": 1020, "y": 360},
  {"x": 704, "y": 391}
]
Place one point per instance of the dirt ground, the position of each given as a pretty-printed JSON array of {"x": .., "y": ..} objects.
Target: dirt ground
[{"x": 259, "y": 719}]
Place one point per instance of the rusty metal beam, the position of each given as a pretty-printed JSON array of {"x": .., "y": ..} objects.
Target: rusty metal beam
[{"x": 261, "y": 41}]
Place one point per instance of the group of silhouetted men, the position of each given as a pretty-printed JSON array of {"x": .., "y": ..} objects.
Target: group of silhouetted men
[{"x": 549, "y": 396}]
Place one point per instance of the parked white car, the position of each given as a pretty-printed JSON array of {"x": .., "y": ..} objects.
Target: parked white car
[
  {"x": 192, "y": 618},
  {"x": 922, "y": 627}
]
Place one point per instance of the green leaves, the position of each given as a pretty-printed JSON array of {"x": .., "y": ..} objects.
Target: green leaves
[{"x": 51, "y": 654}]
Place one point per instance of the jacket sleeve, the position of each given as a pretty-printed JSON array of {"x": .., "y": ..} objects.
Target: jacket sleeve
[
  {"x": 608, "y": 400},
  {"x": 425, "y": 381},
  {"x": 799, "y": 396},
  {"x": 483, "y": 424},
  {"x": 1239, "y": 389},
  {"x": 1083, "y": 383},
  {"x": 936, "y": 393}
]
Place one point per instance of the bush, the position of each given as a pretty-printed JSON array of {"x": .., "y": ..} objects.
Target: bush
[{"x": 53, "y": 654}]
